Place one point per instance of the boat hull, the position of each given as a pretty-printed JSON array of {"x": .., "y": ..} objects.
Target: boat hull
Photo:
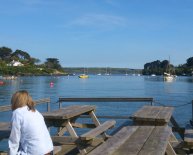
[{"x": 83, "y": 76}]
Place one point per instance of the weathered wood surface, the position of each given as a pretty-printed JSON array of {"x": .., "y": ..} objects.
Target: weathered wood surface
[
  {"x": 98, "y": 130},
  {"x": 152, "y": 115},
  {"x": 69, "y": 112},
  {"x": 136, "y": 140},
  {"x": 5, "y": 130},
  {"x": 40, "y": 101},
  {"x": 57, "y": 151},
  {"x": 188, "y": 135}
]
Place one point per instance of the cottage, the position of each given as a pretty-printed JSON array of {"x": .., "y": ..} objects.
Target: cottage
[{"x": 15, "y": 63}]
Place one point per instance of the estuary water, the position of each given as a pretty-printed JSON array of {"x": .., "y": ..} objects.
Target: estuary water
[{"x": 178, "y": 93}]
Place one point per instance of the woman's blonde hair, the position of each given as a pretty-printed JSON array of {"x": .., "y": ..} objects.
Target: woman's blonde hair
[{"x": 22, "y": 98}]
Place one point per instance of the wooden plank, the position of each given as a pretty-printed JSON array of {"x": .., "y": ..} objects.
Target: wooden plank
[
  {"x": 136, "y": 141},
  {"x": 114, "y": 142},
  {"x": 143, "y": 140},
  {"x": 156, "y": 114},
  {"x": 98, "y": 130},
  {"x": 151, "y": 113},
  {"x": 157, "y": 142},
  {"x": 170, "y": 150},
  {"x": 40, "y": 101},
  {"x": 94, "y": 118},
  {"x": 5, "y": 126},
  {"x": 79, "y": 125},
  {"x": 104, "y": 99},
  {"x": 188, "y": 135},
  {"x": 146, "y": 113},
  {"x": 165, "y": 114},
  {"x": 57, "y": 150},
  {"x": 5, "y": 130},
  {"x": 64, "y": 140},
  {"x": 71, "y": 130},
  {"x": 68, "y": 112},
  {"x": 61, "y": 131}
]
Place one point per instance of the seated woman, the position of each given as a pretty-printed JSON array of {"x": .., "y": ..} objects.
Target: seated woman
[{"x": 29, "y": 134}]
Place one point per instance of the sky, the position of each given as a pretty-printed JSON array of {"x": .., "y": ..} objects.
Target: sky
[{"x": 99, "y": 33}]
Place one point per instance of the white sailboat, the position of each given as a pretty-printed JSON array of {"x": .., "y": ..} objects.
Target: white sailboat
[
  {"x": 107, "y": 73},
  {"x": 167, "y": 75}
]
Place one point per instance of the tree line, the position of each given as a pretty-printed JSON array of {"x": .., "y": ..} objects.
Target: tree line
[
  {"x": 30, "y": 65},
  {"x": 159, "y": 67}
]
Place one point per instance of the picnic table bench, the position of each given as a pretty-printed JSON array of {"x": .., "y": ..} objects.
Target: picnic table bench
[
  {"x": 188, "y": 135},
  {"x": 66, "y": 117},
  {"x": 137, "y": 140}
]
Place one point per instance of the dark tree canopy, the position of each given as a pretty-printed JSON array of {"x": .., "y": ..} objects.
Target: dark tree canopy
[
  {"x": 189, "y": 62},
  {"x": 21, "y": 55},
  {"x": 5, "y": 53},
  {"x": 52, "y": 63},
  {"x": 156, "y": 67}
]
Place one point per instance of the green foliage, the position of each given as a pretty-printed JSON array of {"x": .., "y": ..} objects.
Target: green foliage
[
  {"x": 5, "y": 53},
  {"x": 189, "y": 62},
  {"x": 52, "y": 63},
  {"x": 30, "y": 67},
  {"x": 156, "y": 67}
]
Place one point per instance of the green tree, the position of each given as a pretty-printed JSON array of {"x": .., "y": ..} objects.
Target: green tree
[
  {"x": 34, "y": 61},
  {"x": 21, "y": 55},
  {"x": 189, "y": 62},
  {"x": 52, "y": 63},
  {"x": 5, "y": 53}
]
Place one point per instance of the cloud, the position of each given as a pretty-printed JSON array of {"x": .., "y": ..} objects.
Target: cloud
[
  {"x": 112, "y": 2},
  {"x": 100, "y": 21}
]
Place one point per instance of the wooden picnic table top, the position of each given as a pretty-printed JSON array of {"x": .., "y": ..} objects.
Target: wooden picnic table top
[
  {"x": 136, "y": 140},
  {"x": 69, "y": 112},
  {"x": 153, "y": 114}
]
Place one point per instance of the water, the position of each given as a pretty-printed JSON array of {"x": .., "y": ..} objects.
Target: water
[{"x": 176, "y": 93}]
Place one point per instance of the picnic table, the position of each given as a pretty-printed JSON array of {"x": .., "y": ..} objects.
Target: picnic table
[
  {"x": 65, "y": 118},
  {"x": 5, "y": 130},
  {"x": 137, "y": 140},
  {"x": 152, "y": 115}
]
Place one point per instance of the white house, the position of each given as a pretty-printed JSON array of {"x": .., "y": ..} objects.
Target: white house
[{"x": 15, "y": 63}]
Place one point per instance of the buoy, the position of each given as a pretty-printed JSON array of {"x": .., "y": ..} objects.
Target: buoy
[
  {"x": 51, "y": 84},
  {"x": 2, "y": 83}
]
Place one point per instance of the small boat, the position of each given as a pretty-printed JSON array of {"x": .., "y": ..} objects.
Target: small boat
[
  {"x": 168, "y": 77},
  {"x": 83, "y": 76},
  {"x": 9, "y": 77}
]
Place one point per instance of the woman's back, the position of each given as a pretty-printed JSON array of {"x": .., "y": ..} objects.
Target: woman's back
[{"x": 34, "y": 138}]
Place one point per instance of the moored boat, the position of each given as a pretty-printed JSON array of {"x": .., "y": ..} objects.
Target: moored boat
[
  {"x": 168, "y": 77},
  {"x": 83, "y": 76}
]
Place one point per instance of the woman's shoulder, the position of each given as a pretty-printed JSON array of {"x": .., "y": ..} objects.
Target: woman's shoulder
[{"x": 20, "y": 110}]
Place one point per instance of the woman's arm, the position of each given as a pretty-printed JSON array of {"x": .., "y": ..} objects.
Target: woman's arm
[{"x": 15, "y": 135}]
